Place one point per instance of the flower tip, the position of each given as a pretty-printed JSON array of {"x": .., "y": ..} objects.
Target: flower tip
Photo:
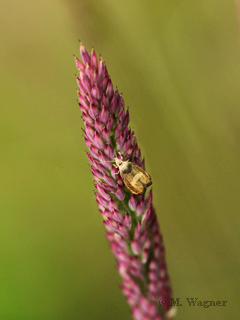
[{"x": 84, "y": 54}]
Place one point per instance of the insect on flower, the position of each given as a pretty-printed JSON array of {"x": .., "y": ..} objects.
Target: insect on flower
[
  {"x": 131, "y": 222},
  {"x": 134, "y": 177}
]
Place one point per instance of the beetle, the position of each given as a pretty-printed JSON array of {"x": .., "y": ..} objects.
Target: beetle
[{"x": 134, "y": 177}]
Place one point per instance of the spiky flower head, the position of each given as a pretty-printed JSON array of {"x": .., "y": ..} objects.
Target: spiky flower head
[{"x": 130, "y": 220}]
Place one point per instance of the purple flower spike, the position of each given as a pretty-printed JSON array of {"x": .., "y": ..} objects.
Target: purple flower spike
[
  {"x": 136, "y": 247},
  {"x": 93, "y": 60},
  {"x": 127, "y": 220},
  {"x": 130, "y": 220},
  {"x": 109, "y": 151},
  {"x": 120, "y": 193},
  {"x": 109, "y": 228},
  {"x": 149, "y": 200},
  {"x": 140, "y": 208},
  {"x": 146, "y": 216},
  {"x": 112, "y": 205},
  {"x": 123, "y": 231},
  {"x": 106, "y": 135},
  {"x": 105, "y": 195},
  {"x": 132, "y": 203},
  {"x": 79, "y": 64},
  {"x": 110, "y": 181},
  {"x": 109, "y": 123},
  {"x": 145, "y": 255},
  {"x": 84, "y": 54},
  {"x": 117, "y": 216}
]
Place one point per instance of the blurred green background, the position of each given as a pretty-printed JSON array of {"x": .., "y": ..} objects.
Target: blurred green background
[{"x": 178, "y": 66}]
